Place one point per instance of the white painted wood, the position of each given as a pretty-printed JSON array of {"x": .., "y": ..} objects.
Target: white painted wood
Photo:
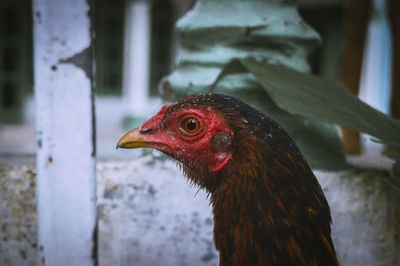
[
  {"x": 64, "y": 123},
  {"x": 136, "y": 56},
  {"x": 376, "y": 82}
]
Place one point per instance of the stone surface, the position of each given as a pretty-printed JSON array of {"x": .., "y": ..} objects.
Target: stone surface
[
  {"x": 365, "y": 216},
  {"x": 18, "y": 225},
  {"x": 149, "y": 215}
]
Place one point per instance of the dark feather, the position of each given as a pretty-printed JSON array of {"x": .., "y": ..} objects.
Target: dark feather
[{"x": 268, "y": 206}]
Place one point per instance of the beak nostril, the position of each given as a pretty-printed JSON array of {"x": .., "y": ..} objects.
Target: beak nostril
[{"x": 143, "y": 130}]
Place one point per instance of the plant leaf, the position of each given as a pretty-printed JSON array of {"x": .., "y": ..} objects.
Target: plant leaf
[
  {"x": 319, "y": 142},
  {"x": 321, "y": 99}
]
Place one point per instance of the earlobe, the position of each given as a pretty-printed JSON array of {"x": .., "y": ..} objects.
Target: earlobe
[{"x": 220, "y": 160}]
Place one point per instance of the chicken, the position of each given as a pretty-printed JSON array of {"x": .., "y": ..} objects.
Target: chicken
[{"x": 268, "y": 207}]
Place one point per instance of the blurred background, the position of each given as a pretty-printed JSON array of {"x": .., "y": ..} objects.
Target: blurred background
[
  {"x": 118, "y": 105},
  {"x": 112, "y": 25}
]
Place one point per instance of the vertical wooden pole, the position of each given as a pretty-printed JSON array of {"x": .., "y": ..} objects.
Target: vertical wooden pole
[
  {"x": 66, "y": 189},
  {"x": 357, "y": 22},
  {"x": 394, "y": 16}
]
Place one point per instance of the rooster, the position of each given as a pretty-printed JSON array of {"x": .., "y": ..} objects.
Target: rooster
[{"x": 268, "y": 207}]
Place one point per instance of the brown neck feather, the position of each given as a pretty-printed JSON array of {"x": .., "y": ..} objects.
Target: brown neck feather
[{"x": 271, "y": 212}]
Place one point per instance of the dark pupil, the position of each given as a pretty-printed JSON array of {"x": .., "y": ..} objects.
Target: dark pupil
[{"x": 191, "y": 125}]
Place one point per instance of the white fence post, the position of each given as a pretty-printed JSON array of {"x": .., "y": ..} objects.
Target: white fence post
[
  {"x": 136, "y": 56},
  {"x": 65, "y": 133}
]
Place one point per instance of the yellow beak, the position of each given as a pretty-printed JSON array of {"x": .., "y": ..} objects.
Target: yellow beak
[{"x": 133, "y": 139}]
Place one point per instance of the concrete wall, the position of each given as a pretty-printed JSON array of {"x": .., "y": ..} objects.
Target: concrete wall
[
  {"x": 148, "y": 215},
  {"x": 18, "y": 224}
]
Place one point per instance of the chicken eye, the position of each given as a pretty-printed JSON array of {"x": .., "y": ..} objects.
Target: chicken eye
[{"x": 191, "y": 125}]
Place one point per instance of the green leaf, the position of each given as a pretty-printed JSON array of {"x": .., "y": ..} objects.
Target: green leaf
[
  {"x": 321, "y": 99},
  {"x": 319, "y": 142}
]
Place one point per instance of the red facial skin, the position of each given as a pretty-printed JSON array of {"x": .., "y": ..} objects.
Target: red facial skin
[{"x": 193, "y": 149}]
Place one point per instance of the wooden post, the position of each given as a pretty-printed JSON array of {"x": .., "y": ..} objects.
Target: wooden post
[
  {"x": 357, "y": 22},
  {"x": 66, "y": 191},
  {"x": 394, "y": 16},
  {"x": 394, "y": 19}
]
